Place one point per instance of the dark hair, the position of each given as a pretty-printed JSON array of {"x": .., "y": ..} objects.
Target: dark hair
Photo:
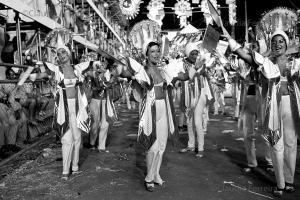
[
  {"x": 286, "y": 42},
  {"x": 151, "y": 44}
]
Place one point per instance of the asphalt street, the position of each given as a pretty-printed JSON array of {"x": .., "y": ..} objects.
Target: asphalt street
[{"x": 120, "y": 173}]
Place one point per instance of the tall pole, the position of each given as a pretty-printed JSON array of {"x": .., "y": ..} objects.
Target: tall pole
[
  {"x": 18, "y": 32},
  {"x": 246, "y": 23},
  {"x": 39, "y": 44}
]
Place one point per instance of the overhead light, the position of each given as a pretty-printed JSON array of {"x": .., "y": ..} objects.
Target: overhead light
[{"x": 105, "y": 5}]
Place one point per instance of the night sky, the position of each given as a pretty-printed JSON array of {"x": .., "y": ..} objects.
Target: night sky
[{"x": 255, "y": 9}]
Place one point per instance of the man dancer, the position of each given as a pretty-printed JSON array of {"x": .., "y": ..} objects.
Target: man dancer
[
  {"x": 194, "y": 98},
  {"x": 101, "y": 108}
]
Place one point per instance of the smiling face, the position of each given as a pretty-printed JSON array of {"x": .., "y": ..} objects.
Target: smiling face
[
  {"x": 153, "y": 54},
  {"x": 63, "y": 56},
  {"x": 278, "y": 45}
]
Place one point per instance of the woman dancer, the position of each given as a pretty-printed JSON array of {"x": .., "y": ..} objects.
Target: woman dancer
[
  {"x": 282, "y": 105},
  {"x": 156, "y": 119},
  {"x": 70, "y": 116}
]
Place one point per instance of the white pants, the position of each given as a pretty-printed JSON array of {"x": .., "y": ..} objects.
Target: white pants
[
  {"x": 205, "y": 117},
  {"x": 284, "y": 153},
  {"x": 155, "y": 153},
  {"x": 181, "y": 118},
  {"x": 71, "y": 141},
  {"x": 199, "y": 121},
  {"x": 249, "y": 119},
  {"x": 100, "y": 125},
  {"x": 236, "y": 92},
  {"x": 219, "y": 101}
]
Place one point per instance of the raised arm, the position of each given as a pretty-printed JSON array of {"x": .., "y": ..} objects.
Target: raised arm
[{"x": 237, "y": 49}]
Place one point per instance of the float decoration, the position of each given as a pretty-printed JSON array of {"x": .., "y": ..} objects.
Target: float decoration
[
  {"x": 206, "y": 12},
  {"x": 183, "y": 10},
  {"x": 187, "y": 35},
  {"x": 156, "y": 11},
  {"x": 130, "y": 8},
  {"x": 232, "y": 11}
]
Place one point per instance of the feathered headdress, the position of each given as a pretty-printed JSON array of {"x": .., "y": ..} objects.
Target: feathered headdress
[
  {"x": 142, "y": 34},
  {"x": 55, "y": 39},
  {"x": 59, "y": 38},
  {"x": 279, "y": 21}
]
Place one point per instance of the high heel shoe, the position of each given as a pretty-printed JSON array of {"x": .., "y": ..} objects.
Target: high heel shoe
[
  {"x": 149, "y": 186},
  {"x": 289, "y": 188}
]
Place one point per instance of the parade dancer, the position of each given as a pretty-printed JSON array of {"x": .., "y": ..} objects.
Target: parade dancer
[
  {"x": 282, "y": 105},
  {"x": 102, "y": 108},
  {"x": 156, "y": 119},
  {"x": 195, "y": 94},
  {"x": 71, "y": 105}
]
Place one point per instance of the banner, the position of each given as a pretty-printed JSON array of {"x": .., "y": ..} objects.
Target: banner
[{"x": 210, "y": 39}]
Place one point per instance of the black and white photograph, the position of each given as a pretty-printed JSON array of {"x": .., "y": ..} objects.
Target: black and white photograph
[{"x": 149, "y": 99}]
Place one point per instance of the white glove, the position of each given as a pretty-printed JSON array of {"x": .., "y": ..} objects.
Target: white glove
[{"x": 233, "y": 45}]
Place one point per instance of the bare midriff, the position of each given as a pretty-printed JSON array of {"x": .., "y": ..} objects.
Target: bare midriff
[
  {"x": 158, "y": 83},
  {"x": 69, "y": 74}
]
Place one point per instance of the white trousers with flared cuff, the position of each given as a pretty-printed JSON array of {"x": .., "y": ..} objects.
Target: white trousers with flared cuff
[
  {"x": 284, "y": 153},
  {"x": 155, "y": 153},
  {"x": 71, "y": 141},
  {"x": 199, "y": 121},
  {"x": 99, "y": 127}
]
